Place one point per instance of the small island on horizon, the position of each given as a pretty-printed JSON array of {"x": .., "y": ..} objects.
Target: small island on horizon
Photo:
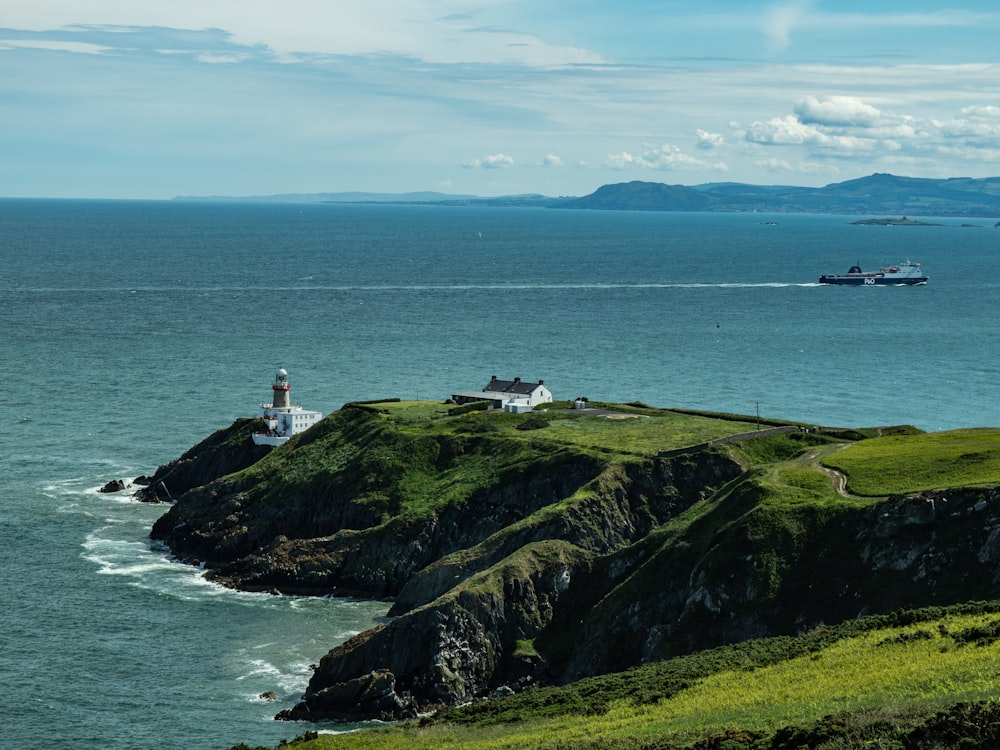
[{"x": 891, "y": 222}]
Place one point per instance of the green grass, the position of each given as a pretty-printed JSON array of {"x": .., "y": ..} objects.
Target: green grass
[
  {"x": 520, "y": 565},
  {"x": 917, "y": 463},
  {"x": 629, "y": 429},
  {"x": 802, "y": 480},
  {"x": 640, "y": 434},
  {"x": 411, "y": 410},
  {"x": 887, "y": 666}
]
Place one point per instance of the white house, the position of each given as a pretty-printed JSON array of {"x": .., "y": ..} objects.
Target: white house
[{"x": 510, "y": 395}]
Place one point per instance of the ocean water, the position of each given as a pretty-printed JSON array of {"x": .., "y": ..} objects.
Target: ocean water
[{"x": 131, "y": 330}]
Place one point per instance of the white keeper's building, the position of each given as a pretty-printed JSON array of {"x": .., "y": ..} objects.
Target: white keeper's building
[{"x": 510, "y": 395}]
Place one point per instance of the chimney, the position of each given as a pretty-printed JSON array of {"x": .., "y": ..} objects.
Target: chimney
[
  {"x": 517, "y": 380},
  {"x": 541, "y": 382},
  {"x": 493, "y": 378}
]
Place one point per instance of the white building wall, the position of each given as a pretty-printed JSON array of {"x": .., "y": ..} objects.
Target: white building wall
[{"x": 541, "y": 395}]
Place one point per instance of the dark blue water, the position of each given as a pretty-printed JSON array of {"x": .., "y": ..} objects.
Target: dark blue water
[{"x": 129, "y": 331}]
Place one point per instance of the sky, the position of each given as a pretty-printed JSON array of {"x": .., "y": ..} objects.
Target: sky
[{"x": 151, "y": 99}]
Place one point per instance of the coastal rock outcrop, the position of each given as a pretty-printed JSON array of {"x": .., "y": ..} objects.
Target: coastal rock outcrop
[
  {"x": 460, "y": 647},
  {"x": 223, "y": 452}
]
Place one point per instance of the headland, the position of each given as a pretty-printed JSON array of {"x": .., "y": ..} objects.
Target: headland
[{"x": 524, "y": 550}]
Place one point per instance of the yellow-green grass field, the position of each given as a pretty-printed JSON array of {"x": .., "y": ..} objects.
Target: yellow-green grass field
[{"x": 923, "y": 666}]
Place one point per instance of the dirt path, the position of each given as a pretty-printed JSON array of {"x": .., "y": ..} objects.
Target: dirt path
[{"x": 837, "y": 478}]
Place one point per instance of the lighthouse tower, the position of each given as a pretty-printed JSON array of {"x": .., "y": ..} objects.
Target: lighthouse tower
[
  {"x": 281, "y": 419},
  {"x": 281, "y": 390}
]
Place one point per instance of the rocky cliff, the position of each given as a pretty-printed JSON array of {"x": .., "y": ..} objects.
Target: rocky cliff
[
  {"x": 666, "y": 595},
  {"x": 768, "y": 574},
  {"x": 524, "y": 550},
  {"x": 223, "y": 452}
]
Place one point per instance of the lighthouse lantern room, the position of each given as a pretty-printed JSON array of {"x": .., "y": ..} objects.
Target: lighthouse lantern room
[{"x": 280, "y": 419}]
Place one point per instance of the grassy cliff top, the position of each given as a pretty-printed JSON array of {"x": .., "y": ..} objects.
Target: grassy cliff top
[
  {"x": 618, "y": 428},
  {"x": 916, "y": 463},
  {"x": 414, "y": 457}
]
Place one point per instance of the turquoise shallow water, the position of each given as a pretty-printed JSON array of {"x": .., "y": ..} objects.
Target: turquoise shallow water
[{"x": 130, "y": 331}]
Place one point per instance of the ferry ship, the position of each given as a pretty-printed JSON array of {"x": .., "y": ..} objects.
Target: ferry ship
[{"x": 905, "y": 274}]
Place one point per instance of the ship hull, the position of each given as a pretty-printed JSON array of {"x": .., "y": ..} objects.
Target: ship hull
[{"x": 871, "y": 281}]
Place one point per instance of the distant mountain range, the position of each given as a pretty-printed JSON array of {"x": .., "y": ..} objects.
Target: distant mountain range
[{"x": 875, "y": 194}]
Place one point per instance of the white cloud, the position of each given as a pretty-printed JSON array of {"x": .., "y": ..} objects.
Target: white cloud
[
  {"x": 443, "y": 31},
  {"x": 782, "y": 131},
  {"x": 775, "y": 165},
  {"x": 780, "y": 20},
  {"x": 666, "y": 158},
  {"x": 79, "y": 47},
  {"x": 623, "y": 160},
  {"x": 493, "y": 161},
  {"x": 978, "y": 125},
  {"x": 709, "y": 141},
  {"x": 845, "y": 128},
  {"x": 982, "y": 112},
  {"x": 789, "y": 130},
  {"x": 837, "y": 110},
  {"x": 424, "y": 80},
  {"x": 802, "y": 167}
]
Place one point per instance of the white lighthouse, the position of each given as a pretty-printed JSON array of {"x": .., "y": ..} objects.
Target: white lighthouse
[{"x": 280, "y": 419}]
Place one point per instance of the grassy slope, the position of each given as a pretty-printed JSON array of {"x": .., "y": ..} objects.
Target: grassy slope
[
  {"x": 894, "y": 667},
  {"x": 903, "y": 464},
  {"x": 887, "y": 667}
]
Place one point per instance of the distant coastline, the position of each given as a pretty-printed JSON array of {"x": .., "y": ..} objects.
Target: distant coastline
[{"x": 884, "y": 194}]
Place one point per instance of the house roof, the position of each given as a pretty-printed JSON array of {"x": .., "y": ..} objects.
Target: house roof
[{"x": 515, "y": 386}]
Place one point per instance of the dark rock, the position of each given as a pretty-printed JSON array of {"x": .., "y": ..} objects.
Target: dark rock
[
  {"x": 224, "y": 452},
  {"x": 372, "y": 695},
  {"x": 115, "y": 485},
  {"x": 270, "y": 695},
  {"x": 455, "y": 650},
  {"x": 463, "y": 646}
]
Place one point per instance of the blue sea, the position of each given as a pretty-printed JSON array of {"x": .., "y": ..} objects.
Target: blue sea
[{"x": 131, "y": 330}]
